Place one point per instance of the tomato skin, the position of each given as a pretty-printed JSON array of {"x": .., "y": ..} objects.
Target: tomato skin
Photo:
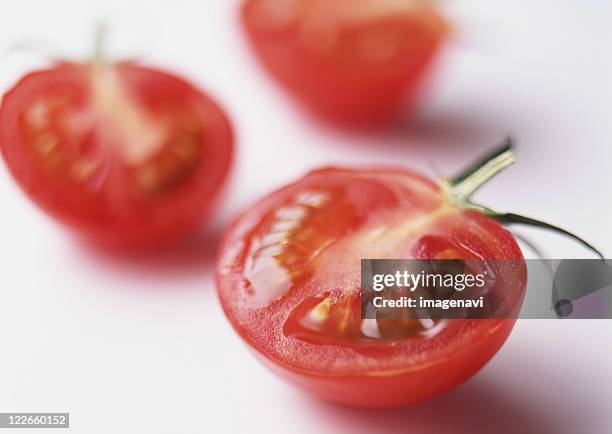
[
  {"x": 401, "y": 389},
  {"x": 114, "y": 212},
  {"x": 366, "y": 71},
  {"x": 380, "y": 373}
]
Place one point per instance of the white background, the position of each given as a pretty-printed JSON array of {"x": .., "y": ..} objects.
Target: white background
[{"x": 142, "y": 346}]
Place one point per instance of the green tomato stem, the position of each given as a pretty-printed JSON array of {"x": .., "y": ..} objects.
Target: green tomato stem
[
  {"x": 461, "y": 189},
  {"x": 510, "y": 218},
  {"x": 99, "y": 55},
  {"x": 472, "y": 179}
]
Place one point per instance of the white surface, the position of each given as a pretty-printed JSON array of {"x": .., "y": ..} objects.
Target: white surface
[{"x": 143, "y": 347}]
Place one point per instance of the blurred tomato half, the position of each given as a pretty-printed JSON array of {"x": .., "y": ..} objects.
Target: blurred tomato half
[
  {"x": 127, "y": 155},
  {"x": 351, "y": 61}
]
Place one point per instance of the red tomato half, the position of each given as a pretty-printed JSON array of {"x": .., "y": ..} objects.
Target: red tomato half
[
  {"x": 126, "y": 154},
  {"x": 289, "y": 281},
  {"x": 347, "y": 60}
]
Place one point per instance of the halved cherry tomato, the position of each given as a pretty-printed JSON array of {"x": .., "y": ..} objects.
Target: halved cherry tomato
[
  {"x": 126, "y": 154},
  {"x": 288, "y": 279},
  {"x": 346, "y": 60}
]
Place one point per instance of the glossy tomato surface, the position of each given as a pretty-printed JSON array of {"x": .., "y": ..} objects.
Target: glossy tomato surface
[
  {"x": 346, "y": 60},
  {"x": 288, "y": 279},
  {"x": 126, "y": 154}
]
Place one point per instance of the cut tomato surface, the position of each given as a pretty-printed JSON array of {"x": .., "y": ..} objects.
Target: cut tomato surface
[
  {"x": 288, "y": 279},
  {"x": 124, "y": 153},
  {"x": 346, "y": 60}
]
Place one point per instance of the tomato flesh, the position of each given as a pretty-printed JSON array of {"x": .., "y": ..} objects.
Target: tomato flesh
[
  {"x": 288, "y": 279},
  {"x": 126, "y": 154},
  {"x": 348, "y": 60}
]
